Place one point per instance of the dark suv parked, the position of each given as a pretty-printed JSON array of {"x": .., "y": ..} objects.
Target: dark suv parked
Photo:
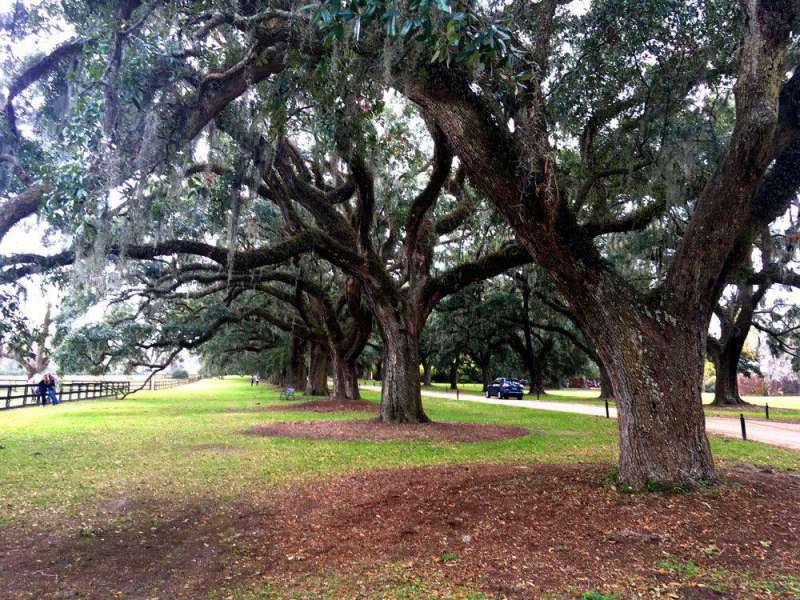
[{"x": 505, "y": 388}]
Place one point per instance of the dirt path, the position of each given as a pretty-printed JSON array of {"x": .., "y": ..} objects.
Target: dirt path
[{"x": 785, "y": 435}]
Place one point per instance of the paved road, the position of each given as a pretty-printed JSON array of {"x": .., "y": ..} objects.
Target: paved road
[{"x": 785, "y": 435}]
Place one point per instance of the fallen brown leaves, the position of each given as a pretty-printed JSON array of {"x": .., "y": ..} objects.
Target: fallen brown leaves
[
  {"x": 328, "y": 405},
  {"x": 517, "y": 531},
  {"x": 374, "y": 430}
]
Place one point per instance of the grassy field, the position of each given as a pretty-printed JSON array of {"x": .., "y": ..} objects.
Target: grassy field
[
  {"x": 60, "y": 466},
  {"x": 192, "y": 440}
]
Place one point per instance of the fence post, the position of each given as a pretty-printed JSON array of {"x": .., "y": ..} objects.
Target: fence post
[
  {"x": 766, "y": 409},
  {"x": 8, "y": 396},
  {"x": 608, "y": 414},
  {"x": 24, "y": 394},
  {"x": 744, "y": 428}
]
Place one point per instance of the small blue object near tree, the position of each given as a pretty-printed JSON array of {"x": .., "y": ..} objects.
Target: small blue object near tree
[{"x": 287, "y": 394}]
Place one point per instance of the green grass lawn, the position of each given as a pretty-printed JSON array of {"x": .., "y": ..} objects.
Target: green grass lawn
[{"x": 60, "y": 461}]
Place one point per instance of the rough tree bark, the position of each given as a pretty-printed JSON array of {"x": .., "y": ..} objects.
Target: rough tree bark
[
  {"x": 401, "y": 398},
  {"x": 606, "y": 387},
  {"x": 427, "y": 371},
  {"x": 318, "y": 361},
  {"x": 296, "y": 370},
  {"x": 345, "y": 377},
  {"x": 726, "y": 386},
  {"x": 453, "y": 375},
  {"x": 655, "y": 367}
]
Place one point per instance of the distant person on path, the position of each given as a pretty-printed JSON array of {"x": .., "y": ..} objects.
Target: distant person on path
[{"x": 252, "y": 380}]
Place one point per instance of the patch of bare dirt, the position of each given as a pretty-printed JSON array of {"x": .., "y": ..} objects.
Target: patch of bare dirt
[
  {"x": 329, "y": 405},
  {"x": 374, "y": 430},
  {"x": 519, "y": 531}
]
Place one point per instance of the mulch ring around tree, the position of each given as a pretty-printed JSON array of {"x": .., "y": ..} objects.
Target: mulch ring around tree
[
  {"x": 374, "y": 430},
  {"x": 328, "y": 405},
  {"x": 511, "y": 531}
]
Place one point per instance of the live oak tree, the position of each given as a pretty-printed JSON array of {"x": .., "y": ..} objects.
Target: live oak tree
[
  {"x": 379, "y": 221},
  {"x": 652, "y": 344},
  {"x": 749, "y": 306},
  {"x": 28, "y": 344},
  {"x": 146, "y": 335}
]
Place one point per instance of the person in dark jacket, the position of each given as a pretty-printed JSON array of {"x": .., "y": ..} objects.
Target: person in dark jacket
[{"x": 50, "y": 384}]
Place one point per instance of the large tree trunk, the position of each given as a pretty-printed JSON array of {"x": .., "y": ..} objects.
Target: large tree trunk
[
  {"x": 537, "y": 379},
  {"x": 654, "y": 358},
  {"x": 454, "y": 373},
  {"x": 401, "y": 398},
  {"x": 339, "y": 390},
  {"x": 656, "y": 370},
  {"x": 345, "y": 378},
  {"x": 726, "y": 363},
  {"x": 606, "y": 387},
  {"x": 346, "y": 346},
  {"x": 427, "y": 371},
  {"x": 351, "y": 380},
  {"x": 317, "y": 380},
  {"x": 296, "y": 372}
]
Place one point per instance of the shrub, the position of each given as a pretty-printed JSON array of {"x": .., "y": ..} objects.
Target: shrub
[{"x": 180, "y": 374}]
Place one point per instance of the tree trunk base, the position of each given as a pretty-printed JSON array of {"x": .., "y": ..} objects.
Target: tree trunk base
[
  {"x": 729, "y": 402},
  {"x": 656, "y": 374},
  {"x": 401, "y": 395}
]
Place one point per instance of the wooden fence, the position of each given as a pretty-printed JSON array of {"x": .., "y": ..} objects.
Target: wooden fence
[
  {"x": 163, "y": 383},
  {"x": 17, "y": 395}
]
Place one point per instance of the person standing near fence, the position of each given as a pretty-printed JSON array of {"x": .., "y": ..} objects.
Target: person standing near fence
[
  {"x": 50, "y": 387},
  {"x": 40, "y": 391}
]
